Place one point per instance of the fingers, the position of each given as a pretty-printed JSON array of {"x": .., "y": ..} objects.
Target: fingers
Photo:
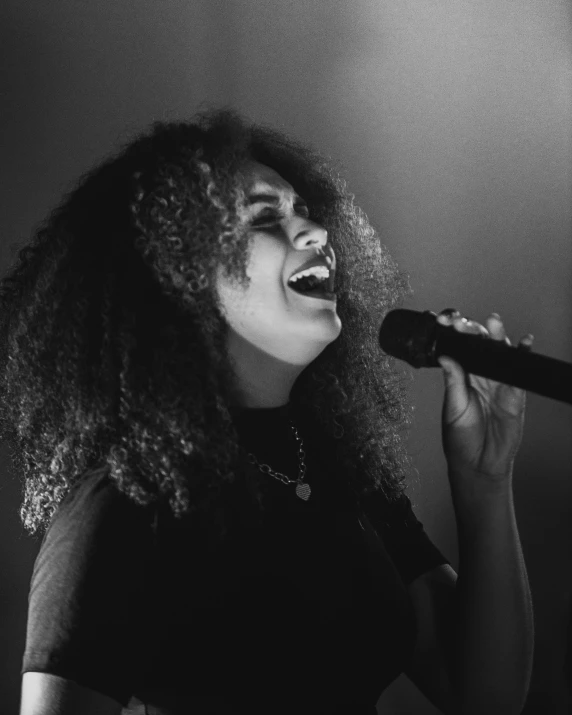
[
  {"x": 526, "y": 342},
  {"x": 463, "y": 325},
  {"x": 493, "y": 327},
  {"x": 496, "y": 328}
]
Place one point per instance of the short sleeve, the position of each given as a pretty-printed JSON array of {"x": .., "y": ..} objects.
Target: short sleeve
[
  {"x": 405, "y": 540},
  {"x": 87, "y": 605}
]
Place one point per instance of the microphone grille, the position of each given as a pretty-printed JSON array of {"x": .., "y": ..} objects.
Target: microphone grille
[{"x": 410, "y": 335}]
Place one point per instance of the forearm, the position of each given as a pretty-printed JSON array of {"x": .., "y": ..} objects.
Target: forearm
[{"x": 495, "y": 628}]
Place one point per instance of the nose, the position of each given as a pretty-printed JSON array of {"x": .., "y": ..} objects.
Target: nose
[{"x": 311, "y": 234}]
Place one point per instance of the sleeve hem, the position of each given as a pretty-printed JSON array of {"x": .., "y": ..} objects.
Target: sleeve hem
[{"x": 39, "y": 663}]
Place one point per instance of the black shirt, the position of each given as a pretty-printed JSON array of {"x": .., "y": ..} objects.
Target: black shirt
[{"x": 304, "y": 610}]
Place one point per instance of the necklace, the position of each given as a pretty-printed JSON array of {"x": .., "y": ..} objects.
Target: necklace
[{"x": 303, "y": 489}]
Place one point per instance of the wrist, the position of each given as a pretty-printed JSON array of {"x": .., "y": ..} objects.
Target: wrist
[{"x": 474, "y": 491}]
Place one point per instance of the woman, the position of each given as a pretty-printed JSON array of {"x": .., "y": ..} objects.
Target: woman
[{"x": 212, "y": 450}]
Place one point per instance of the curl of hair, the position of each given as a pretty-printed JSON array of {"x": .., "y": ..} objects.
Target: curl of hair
[{"x": 113, "y": 340}]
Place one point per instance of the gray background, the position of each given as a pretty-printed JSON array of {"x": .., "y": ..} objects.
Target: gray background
[{"x": 452, "y": 122}]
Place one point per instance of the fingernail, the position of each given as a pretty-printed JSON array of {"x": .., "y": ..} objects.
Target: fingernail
[{"x": 496, "y": 316}]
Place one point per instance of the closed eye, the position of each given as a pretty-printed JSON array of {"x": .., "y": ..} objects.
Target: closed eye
[{"x": 271, "y": 216}]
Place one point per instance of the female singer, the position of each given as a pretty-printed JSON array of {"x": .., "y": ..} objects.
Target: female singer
[{"x": 210, "y": 443}]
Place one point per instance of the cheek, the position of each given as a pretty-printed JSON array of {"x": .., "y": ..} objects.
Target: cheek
[
  {"x": 232, "y": 296},
  {"x": 266, "y": 282},
  {"x": 266, "y": 292},
  {"x": 256, "y": 303},
  {"x": 265, "y": 296}
]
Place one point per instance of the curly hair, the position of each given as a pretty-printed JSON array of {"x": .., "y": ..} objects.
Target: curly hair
[{"x": 113, "y": 341}]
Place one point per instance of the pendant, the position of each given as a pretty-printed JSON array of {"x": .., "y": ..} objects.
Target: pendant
[{"x": 303, "y": 491}]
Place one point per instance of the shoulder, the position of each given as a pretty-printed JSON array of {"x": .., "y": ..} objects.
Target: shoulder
[
  {"x": 98, "y": 545},
  {"x": 95, "y": 498},
  {"x": 94, "y": 526}
]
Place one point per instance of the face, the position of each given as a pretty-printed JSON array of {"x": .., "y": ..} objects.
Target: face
[{"x": 274, "y": 331}]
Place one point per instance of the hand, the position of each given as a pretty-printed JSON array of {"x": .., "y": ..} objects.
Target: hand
[{"x": 482, "y": 420}]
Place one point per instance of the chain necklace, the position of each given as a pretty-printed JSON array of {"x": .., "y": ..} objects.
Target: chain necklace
[{"x": 302, "y": 488}]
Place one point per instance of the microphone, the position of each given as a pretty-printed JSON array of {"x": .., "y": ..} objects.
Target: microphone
[{"x": 419, "y": 339}]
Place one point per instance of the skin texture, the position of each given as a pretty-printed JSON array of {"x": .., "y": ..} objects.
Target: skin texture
[{"x": 274, "y": 332}]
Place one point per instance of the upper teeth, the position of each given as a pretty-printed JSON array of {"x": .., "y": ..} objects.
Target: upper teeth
[{"x": 318, "y": 271}]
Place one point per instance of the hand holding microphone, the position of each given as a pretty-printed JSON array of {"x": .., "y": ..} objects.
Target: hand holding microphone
[
  {"x": 482, "y": 418},
  {"x": 485, "y": 379}
]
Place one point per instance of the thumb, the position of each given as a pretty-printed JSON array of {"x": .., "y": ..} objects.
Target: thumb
[
  {"x": 456, "y": 392},
  {"x": 452, "y": 371}
]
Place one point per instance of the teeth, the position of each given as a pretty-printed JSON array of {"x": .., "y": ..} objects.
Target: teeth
[{"x": 318, "y": 271}]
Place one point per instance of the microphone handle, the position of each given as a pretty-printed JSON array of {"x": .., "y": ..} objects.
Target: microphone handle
[{"x": 504, "y": 363}]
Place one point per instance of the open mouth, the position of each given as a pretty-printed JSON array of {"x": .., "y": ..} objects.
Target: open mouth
[
  {"x": 314, "y": 286},
  {"x": 320, "y": 293}
]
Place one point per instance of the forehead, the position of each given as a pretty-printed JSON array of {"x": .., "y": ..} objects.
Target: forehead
[{"x": 260, "y": 178}]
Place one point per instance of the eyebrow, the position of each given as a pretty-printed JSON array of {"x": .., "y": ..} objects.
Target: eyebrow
[{"x": 271, "y": 199}]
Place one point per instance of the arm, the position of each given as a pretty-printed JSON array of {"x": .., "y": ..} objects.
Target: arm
[
  {"x": 46, "y": 694},
  {"x": 475, "y": 643},
  {"x": 495, "y": 625},
  {"x": 482, "y": 426}
]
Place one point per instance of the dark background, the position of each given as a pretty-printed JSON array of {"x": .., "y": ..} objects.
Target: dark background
[{"x": 452, "y": 123}]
